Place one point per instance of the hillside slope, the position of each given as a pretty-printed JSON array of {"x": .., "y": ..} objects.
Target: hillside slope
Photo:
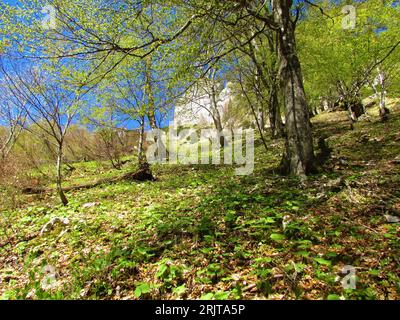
[{"x": 202, "y": 232}]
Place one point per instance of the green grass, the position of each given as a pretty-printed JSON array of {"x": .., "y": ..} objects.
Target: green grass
[{"x": 202, "y": 232}]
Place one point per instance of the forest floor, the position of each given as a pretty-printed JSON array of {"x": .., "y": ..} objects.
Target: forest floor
[{"x": 200, "y": 232}]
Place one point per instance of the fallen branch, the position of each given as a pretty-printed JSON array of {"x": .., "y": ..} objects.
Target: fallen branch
[{"x": 140, "y": 175}]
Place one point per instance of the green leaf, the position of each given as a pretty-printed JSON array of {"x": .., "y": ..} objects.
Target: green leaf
[
  {"x": 323, "y": 261},
  {"x": 141, "y": 289},
  {"x": 269, "y": 220},
  {"x": 222, "y": 295},
  {"x": 207, "y": 296},
  {"x": 179, "y": 290},
  {"x": 299, "y": 267},
  {"x": 277, "y": 237},
  {"x": 374, "y": 272},
  {"x": 333, "y": 297},
  {"x": 303, "y": 254},
  {"x": 163, "y": 269},
  {"x": 263, "y": 260}
]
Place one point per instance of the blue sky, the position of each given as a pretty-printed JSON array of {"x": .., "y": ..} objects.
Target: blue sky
[{"x": 160, "y": 94}]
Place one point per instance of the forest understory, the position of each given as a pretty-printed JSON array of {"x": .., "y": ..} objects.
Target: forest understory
[{"x": 200, "y": 232}]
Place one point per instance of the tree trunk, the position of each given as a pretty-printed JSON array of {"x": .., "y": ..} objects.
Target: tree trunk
[
  {"x": 218, "y": 127},
  {"x": 5, "y": 149},
  {"x": 268, "y": 79},
  {"x": 150, "y": 94},
  {"x": 299, "y": 156},
  {"x": 216, "y": 114},
  {"x": 60, "y": 191},
  {"x": 152, "y": 106},
  {"x": 145, "y": 172},
  {"x": 279, "y": 126},
  {"x": 141, "y": 155},
  {"x": 262, "y": 117},
  {"x": 272, "y": 114},
  {"x": 383, "y": 111},
  {"x": 275, "y": 119}
]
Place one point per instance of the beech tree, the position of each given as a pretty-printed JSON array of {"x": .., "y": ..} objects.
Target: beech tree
[
  {"x": 12, "y": 119},
  {"x": 340, "y": 61},
  {"x": 49, "y": 105},
  {"x": 299, "y": 155},
  {"x": 277, "y": 16},
  {"x": 105, "y": 35},
  {"x": 205, "y": 96}
]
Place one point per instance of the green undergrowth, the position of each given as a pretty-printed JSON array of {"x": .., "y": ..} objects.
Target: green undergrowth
[{"x": 200, "y": 232}]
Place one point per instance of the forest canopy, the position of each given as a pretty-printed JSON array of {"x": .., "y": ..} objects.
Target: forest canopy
[{"x": 236, "y": 149}]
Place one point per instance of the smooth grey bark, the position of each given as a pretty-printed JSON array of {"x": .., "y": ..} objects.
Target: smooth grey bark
[
  {"x": 151, "y": 110},
  {"x": 6, "y": 147},
  {"x": 215, "y": 114},
  {"x": 14, "y": 124},
  {"x": 141, "y": 154},
  {"x": 299, "y": 158},
  {"x": 383, "y": 110},
  {"x": 275, "y": 118},
  {"x": 150, "y": 94},
  {"x": 60, "y": 191}
]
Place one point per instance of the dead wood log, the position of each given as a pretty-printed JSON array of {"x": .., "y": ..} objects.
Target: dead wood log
[{"x": 143, "y": 174}]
